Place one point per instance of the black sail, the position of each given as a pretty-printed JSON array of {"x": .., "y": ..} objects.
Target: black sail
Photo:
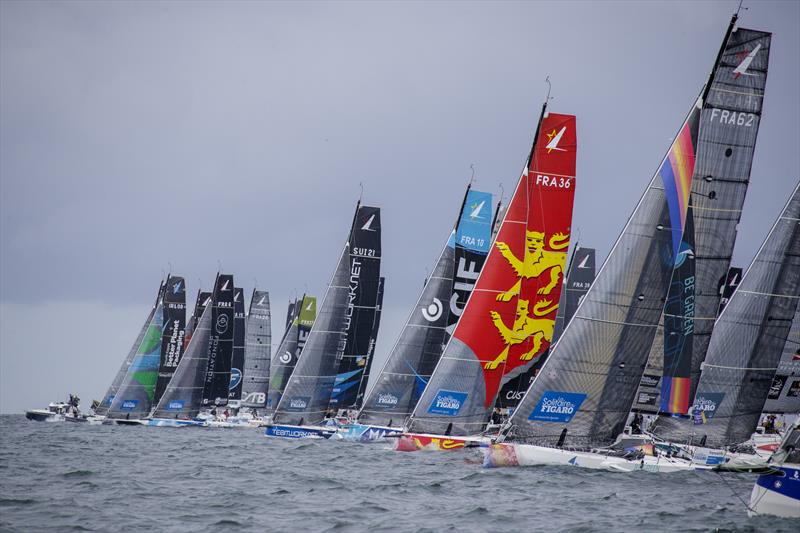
[
  {"x": 220, "y": 345},
  {"x": 108, "y": 398},
  {"x": 172, "y": 339},
  {"x": 258, "y": 350},
  {"x": 238, "y": 354},
  {"x": 727, "y": 286},
  {"x": 356, "y": 343},
  {"x": 291, "y": 347},
  {"x": 201, "y": 302},
  {"x": 748, "y": 341}
]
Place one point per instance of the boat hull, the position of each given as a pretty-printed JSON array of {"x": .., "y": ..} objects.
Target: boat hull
[
  {"x": 43, "y": 415},
  {"x": 415, "y": 442},
  {"x": 508, "y": 454},
  {"x": 366, "y": 433},
  {"x": 174, "y": 423},
  {"x": 777, "y": 494},
  {"x": 283, "y": 431}
]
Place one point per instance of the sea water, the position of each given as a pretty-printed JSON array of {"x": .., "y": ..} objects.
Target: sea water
[{"x": 65, "y": 476}]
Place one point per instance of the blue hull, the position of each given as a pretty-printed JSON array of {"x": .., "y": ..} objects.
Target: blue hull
[
  {"x": 174, "y": 423},
  {"x": 365, "y": 433},
  {"x": 297, "y": 432}
]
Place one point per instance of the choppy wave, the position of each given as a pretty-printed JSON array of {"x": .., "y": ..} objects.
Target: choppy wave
[{"x": 61, "y": 477}]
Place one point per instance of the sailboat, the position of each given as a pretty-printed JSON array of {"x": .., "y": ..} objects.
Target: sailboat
[
  {"x": 307, "y": 399},
  {"x": 138, "y": 391},
  {"x": 417, "y": 350},
  {"x": 745, "y": 350},
  {"x": 508, "y": 321},
  {"x": 300, "y": 318},
  {"x": 579, "y": 403},
  {"x": 778, "y": 492},
  {"x": 201, "y": 381}
]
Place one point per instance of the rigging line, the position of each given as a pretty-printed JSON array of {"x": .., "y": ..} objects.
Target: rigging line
[
  {"x": 746, "y": 505},
  {"x": 704, "y": 365}
]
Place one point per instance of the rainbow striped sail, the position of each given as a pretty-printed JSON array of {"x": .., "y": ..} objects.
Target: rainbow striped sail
[{"x": 676, "y": 173}]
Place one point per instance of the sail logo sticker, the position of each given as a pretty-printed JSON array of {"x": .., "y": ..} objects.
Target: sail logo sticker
[
  {"x": 368, "y": 224},
  {"x": 556, "y": 406},
  {"x": 236, "y": 378},
  {"x": 555, "y": 138},
  {"x": 129, "y": 405},
  {"x": 447, "y": 403},
  {"x": 706, "y": 404},
  {"x": 175, "y": 405},
  {"x": 745, "y": 58},
  {"x": 297, "y": 403},
  {"x": 387, "y": 400},
  {"x": 285, "y": 358},
  {"x": 433, "y": 312},
  {"x": 177, "y": 287},
  {"x": 476, "y": 209},
  {"x": 225, "y": 286},
  {"x": 582, "y": 264},
  {"x": 222, "y": 324}
]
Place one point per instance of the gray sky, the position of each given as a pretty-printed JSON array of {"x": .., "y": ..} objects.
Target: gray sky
[{"x": 137, "y": 134}]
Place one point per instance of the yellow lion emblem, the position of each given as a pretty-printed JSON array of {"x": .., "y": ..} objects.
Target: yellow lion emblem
[
  {"x": 536, "y": 261},
  {"x": 525, "y": 325}
]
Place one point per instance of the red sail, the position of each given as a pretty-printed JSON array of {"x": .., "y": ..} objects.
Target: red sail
[{"x": 511, "y": 315}]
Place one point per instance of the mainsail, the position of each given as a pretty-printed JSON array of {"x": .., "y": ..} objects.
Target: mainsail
[
  {"x": 135, "y": 396},
  {"x": 728, "y": 127},
  {"x": 237, "y": 357},
  {"x": 586, "y": 387},
  {"x": 220, "y": 344},
  {"x": 784, "y": 393},
  {"x": 102, "y": 409},
  {"x": 355, "y": 345},
  {"x": 173, "y": 335},
  {"x": 508, "y": 321},
  {"x": 203, "y": 299},
  {"x": 748, "y": 341},
  {"x": 257, "y": 351},
  {"x": 362, "y": 386},
  {"x": 727, "y": 286},
  {"x": 308, "y": 393},
  {"x": 410, "y": 364},
  {"x": 291, "y": 347}
]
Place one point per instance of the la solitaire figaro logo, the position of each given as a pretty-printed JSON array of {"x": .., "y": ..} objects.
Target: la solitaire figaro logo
[
  {"x": 298, "y": 403},
  {"x": 557, "y": 406},
  {"x": 707, "y": 403},
  {"x": 387, "y": 400},
  {"x": 447, "y": 403},
  {"x": 129, "y": 405}
]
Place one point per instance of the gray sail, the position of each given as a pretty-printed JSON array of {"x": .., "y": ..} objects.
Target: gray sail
[
  {"x": 784, "y": 393},
  {"x": 258, "y": 348},
  {"x": 410, "y": 364},
  {"x": 748, "y": 341},
  {"x": 580, "y": 276},
  {"x": 586, "y": 386},
  {"x": 308, "y": 392},
  {"x": 102, "y": 409},
  {"x": 184, "y": 394},
  {"x": 728, "y": 130}
]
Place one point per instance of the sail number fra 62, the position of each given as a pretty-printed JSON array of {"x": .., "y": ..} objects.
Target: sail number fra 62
[{"x": 554, "y": 181}]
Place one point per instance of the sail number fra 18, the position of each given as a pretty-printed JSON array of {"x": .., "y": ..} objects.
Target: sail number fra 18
[{"x": 554, "y": 181}]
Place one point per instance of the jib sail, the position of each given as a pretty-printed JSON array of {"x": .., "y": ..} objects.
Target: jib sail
[
  {"x": 172, "y": 338},
  {"x": 184, "y": 394},
  {"x": 356, "y": 342},
  {"x": 258, "y": 351},
  {"x": 749, "y": 339},
  {"x": 410, "y": 364},
  {"x": 238, "y": 354},
  {"x": 135, "y": 396},
  {"x": 508, "y": 321},
  {"x": 290, "y": 349},
  {"x": 102, "y": 409}
]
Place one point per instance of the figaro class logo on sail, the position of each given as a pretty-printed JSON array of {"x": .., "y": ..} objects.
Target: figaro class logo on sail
[{"x": 556, "y": 406}]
